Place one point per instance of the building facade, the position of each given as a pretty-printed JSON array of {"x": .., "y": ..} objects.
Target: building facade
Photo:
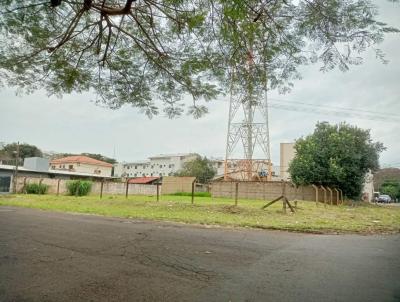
[
  {"x": 82, "y": 164},
  {"x": 155, "y": 166},
  {"x": 287, "y": 153}
]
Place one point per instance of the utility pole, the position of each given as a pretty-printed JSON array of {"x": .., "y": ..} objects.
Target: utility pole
[{"x": 15, "y": 176}]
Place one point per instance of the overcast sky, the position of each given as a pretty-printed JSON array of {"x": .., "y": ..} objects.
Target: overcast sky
[{"x": 74, "y": 124}]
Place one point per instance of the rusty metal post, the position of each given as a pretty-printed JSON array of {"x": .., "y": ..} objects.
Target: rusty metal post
[
  {"x": 193, "y": 184},
  {"x": 236, "y": 193},
  {"x": 101, "y": 188},
  {"x": 127, "y": 188},
  {"x": 58, "y": 186},
  {"x": 322, "y": 187},
  {"x": 330, "y": 195},
  {"x": 316, "y": 194},
  {"x": 40, "y": 185},
  {"x": 284, "y": 196}
]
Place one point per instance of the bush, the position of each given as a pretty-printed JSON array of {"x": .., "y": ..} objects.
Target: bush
[
  {"x": 36, "y": 188},
  {"x": 79, "y": 187}
]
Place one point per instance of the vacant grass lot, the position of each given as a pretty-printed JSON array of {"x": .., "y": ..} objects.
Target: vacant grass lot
[{"x": 364, "y": 218}]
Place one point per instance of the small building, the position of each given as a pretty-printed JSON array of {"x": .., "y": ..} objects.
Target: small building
[
  {"x": 81, "y": 164},
  {"x": 144, "y": 180}
]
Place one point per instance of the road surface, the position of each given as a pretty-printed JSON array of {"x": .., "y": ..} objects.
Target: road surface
[{"x": 46, "y": 256}]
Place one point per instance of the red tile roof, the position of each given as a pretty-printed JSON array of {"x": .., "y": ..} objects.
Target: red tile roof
[
  {"x": 142, "y": 180},
  {"x": 80, "y": 159}
]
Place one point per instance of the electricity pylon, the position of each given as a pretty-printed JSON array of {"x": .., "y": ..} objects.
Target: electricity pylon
[{"x": 248, "y": 124}]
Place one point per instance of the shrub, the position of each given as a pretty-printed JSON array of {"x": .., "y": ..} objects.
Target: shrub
[
  {"x": 79, "y": 187},
  {"x": 36, "y": 188}
]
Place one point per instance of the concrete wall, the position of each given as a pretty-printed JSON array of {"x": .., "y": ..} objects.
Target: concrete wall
[
  {"x": 172, "y": 184},
  {"x": 111, "y": 188},
  {"x": 261, "y": 190}
]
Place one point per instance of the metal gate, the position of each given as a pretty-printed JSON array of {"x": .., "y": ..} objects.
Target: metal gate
[{"x": 5, "y": 182}]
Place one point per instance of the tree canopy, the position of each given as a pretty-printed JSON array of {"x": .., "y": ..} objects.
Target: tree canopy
[
  {"x": 201, "y": 168},
  {"x": 391, "y": 188},
  {"x": 151, "y": 54},
  {"x": 336, "y": 156},
  {"x": 9, "y": 151}
]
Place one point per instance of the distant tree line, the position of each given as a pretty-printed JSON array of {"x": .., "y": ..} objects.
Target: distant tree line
[{"x": 9, "y": 153}]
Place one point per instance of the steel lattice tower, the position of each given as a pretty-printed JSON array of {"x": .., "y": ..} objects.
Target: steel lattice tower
[{"x": 248, "y": 127}]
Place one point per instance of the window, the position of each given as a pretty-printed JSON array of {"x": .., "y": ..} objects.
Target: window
[
  {"x": 160, "y": 174},
  {"x": 151, "y": 174},
  {"x": 71, "y": 167},
  {"x": 143, "y": 175},
  {"x": 60, "y": 167},
  {"x": 53, "y": 167},
  {"x": 135, "y": 167}
]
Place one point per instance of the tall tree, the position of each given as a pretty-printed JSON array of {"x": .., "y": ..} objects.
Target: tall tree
[
  {"x": 336, "y": 156},
  {"x": 145, "y": 52},
  {"x": 201, "y": 168},
  {"x": 9, "y": 151}
]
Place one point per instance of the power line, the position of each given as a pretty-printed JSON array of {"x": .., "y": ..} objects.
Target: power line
[
  {"x": 310, "y": 108},
  {"x": 336, "y": 107}
]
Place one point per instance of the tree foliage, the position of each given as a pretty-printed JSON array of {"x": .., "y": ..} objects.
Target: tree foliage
[
  {"x": 391, "y": 188},
  {"x": 201, "y": 168},
  {"x": 152, "y": 54},
  {"x": 335, "y": 156},
  {"x": 9, "y": 151}
]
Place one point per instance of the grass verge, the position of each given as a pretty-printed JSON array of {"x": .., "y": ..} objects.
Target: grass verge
[{"x": 364, "y": 218}]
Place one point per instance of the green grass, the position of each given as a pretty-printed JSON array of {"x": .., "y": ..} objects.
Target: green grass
[
  {"x": 364, "y": 218},
  {"x": 198, "y": 194}
]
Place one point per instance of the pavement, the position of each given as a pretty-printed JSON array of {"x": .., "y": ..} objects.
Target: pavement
[{"x": 47, "y": 256}]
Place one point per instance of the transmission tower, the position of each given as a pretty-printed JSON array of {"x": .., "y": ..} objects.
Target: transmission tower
[{"x": 248, "y": 155}]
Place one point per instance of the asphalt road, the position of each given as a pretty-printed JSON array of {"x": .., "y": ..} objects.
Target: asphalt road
[{"x": 48, "y": 256}]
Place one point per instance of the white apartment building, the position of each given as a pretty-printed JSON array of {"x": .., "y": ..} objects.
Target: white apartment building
[{"x": 159, "y": 165}]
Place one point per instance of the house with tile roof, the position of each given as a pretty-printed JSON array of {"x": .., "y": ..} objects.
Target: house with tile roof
[{"x": 82, "y": 164}]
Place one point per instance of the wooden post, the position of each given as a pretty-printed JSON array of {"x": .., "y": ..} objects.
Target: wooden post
[
  {"x": 127, "y": 188},
  {"x": 330, "y": 195},
  {"x": 284, "y": 196},
  {"x": 58, "y": 186},
  {"x": 341, "y": 196},
  {"x": 40, "y": 184},
  {"x": 24, "y": 188},
  {"x": 316, "y": 194},
  {"x": 236, "y": 193},
  {"x": 322, "y": 187},
  {"x": 101, "y": 188},
  {"x": 193, "y": 184},
  {"x": 158, "y": 191}
]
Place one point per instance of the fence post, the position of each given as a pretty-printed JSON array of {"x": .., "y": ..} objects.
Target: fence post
[
  {"x": 322, "y": 187},
  {"x": 58, "y": 186},
  {"x": 158, "y": 191},
  {"x": 193, "y": 184},
  {"x": 24, "y": 188},
  {"x": 40, "y": 185},
  {"x": 316, "y": 194},
  {"x": 284, "y": 196},
  {"x": 330, "y": 195},
  {"x": 127, "y": 188},
  {"x": 236, "y": 193},
  {"x": 101, "y": 188}
]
